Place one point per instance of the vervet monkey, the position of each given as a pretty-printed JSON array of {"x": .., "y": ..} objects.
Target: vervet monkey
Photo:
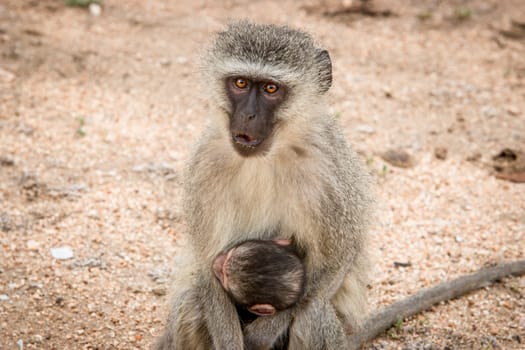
[
  {"x": 262, "y": 277},
  {"x": 273, "y": 163}
]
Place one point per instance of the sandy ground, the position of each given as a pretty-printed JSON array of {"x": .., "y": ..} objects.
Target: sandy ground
[{"x": 97, "y": 115}]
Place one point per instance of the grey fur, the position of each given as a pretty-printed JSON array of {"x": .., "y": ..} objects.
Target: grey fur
[
  {"x": 274, "y": 46},
  {"x": 309, "y": 186}
]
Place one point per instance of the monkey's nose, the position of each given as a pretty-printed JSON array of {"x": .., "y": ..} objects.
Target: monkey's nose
[{"x": 246, "y": 140}]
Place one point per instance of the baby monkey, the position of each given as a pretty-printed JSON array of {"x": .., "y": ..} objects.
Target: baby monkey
[{"x": 262, "y": 277}]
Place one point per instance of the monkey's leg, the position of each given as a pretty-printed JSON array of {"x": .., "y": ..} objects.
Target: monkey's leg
[
  {"x": 350, "y": 299},
  {"x": 186, "y": 328},
  {"x": 201, "y": 318},
  {"x": 317, "y": 327}
]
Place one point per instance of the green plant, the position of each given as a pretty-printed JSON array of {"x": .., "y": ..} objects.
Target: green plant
[
  {"x": 80, "y": 130},
  {"x": 394, "y": 332},
  {"x": 399, "y": 324},
  {"x": 463, "y": 13},
  {"x": 82, "y": 2},
  {"x": 424, "y": 15},
  {"x": 384, "y": 171}
]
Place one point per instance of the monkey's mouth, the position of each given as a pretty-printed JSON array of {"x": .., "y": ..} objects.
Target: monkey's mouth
[
  {"x": 249, "y": 145},
  {"x": 246, "y": 140}
]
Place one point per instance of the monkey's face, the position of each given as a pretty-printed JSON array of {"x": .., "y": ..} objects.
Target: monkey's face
[{"x": 252, "y": 117}]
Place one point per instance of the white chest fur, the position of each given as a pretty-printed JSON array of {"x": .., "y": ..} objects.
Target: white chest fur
[{"x": 262, "y": 199}]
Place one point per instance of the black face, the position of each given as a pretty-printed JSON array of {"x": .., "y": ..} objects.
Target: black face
[{"x": 252, "y": 119}]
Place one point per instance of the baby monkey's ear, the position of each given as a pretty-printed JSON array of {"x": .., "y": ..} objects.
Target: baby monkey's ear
[{"x": 262, "y": 309}]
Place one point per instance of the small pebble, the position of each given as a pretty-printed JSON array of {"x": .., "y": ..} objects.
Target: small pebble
[
  {"x": 6, "y": 76},
  {"x": 489, "y": 111},
  {"x": 32, "y": 245},
  {"x": 388, "y": 93},
  {"x": 402, "y": 263},
  {"x": 159, "y": 291},
  {"x": 62, "y": 253},
  {"x": 494, "y": 330},
  {"x": 92, "y": 214},
  {"x": 4, "y": 297},
  {"x": 399, "y": 158},
  {"x": 6, "y": 161},
  {"x": 95, "y": 9},
  {"x": 440, "y": 153},
  {"x": 36, "y": 285},
  {"x": 513, "y": 110},
  {"x": 181, "y": 60},
  {"x": 25, "y": 130},
  {"x": 37, "y": 338},
  {"x": 165, "y": 62},
  {"x": 365, "y": 129},
  {"x": 474, "y": 157}
]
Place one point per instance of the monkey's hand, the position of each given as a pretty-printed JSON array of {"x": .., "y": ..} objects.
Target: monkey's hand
[
  {"x": 263, "y": 332},
  {"x": 316, "y": 326}
]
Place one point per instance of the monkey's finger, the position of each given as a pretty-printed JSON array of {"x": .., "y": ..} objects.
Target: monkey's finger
[{"x": 283, "y": 242}]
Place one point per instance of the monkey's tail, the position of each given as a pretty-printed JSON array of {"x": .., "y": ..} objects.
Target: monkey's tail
[{"x": 383, "y": 319}]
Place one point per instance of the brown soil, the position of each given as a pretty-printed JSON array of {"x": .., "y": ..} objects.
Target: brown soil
[{"x": 97, "y": 114}]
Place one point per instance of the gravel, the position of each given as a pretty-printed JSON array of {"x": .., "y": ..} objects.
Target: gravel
[{"x": 97, "y": 115}]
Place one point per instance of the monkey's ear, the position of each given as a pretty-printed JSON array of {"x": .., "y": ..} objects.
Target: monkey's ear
[{"x": 324, "y": 63}]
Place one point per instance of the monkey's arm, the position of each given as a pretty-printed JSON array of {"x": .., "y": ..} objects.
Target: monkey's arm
[
  {"x": 339, "y": 221},
  {"x": 326, "y": 263},
  {"x": 220, "y": 315},
  {"x": 263, "y": 332}
]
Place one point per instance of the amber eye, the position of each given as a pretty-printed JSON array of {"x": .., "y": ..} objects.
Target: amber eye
[
  {"x": 270, "y": 88},
  {"x": 241, "y": 83}
]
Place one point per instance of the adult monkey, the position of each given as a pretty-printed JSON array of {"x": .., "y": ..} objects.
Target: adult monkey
[{"x": 272, "y": 164}]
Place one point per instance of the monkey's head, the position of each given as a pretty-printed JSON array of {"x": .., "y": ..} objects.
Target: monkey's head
[
  {"x": 262, "y": 78},
  {"x": 262, "y": 276}
]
